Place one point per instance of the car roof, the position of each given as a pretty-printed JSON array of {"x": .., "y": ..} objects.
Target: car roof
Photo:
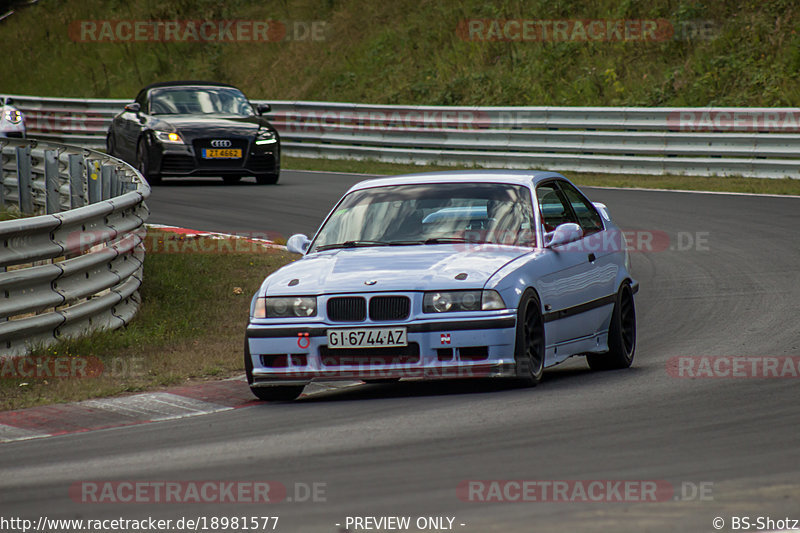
[
  {"x": 515, "y": 177},
  {"x": 181, "y": 83}
]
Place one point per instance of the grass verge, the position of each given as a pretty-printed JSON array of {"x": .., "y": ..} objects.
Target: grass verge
[
  {"x": 190, "y": 327},
  {"x": 689, "y": 183},
  {"x": 712, "y": 52},
  {"x": 9, "y": 213}
]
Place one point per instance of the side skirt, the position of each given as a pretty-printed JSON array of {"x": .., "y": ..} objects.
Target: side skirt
[{"x": 558, "y": 353}]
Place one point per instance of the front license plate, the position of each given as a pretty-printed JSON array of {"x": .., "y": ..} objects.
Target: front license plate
[
  {"x": 222, "y": 153},
  {"x": 367, "y": 338}
]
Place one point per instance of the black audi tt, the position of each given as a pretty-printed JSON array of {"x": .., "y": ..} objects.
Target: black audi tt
[{"x": 196, "y": 128}]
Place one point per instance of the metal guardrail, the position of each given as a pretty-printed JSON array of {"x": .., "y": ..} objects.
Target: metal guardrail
[
  {"x": 77, "y": 266},
  {"x": 752, "y": 142}
]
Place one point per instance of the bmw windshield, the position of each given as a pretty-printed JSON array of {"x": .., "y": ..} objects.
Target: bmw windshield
[
  {"x": 199, "y": 101},
  {"x": 434, "y": 213}
]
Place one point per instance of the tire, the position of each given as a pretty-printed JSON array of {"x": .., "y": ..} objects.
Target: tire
[
  {"x": 621, "y": 334},
  {"x": 530, "y": 343},
  {"x": 143, "y": 165},
  {"x": 231, "y": 180},
  {"x": 268, "y": 394},
  {"x": 267, "y": 179}
]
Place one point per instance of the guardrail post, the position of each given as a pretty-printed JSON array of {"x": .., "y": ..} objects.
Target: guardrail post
[
  {"x": 2, "y": 178},
  {"x": 24, "y": 180},
  {"x": 3, "y": 269},
  {"x": 77, "y": 197},
  {"x": 2, "y": 181},
  {"x": 105, "y": 175},
  {"x": 94, "y": 184},
  {"x": 51, "y": 182},
  {"x": 114, "y": 182}
]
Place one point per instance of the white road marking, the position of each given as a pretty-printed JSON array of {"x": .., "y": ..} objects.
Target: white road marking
[
  {"x": 154, "y": 406},
  {"x": 266, "y": 243},
  {"x": 342, "y": 172},
  {"x": 693, "y": 192},
  {"x": 11, "y": 433},
  {"x": 583, "y": 186}
]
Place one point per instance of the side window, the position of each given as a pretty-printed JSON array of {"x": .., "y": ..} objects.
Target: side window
[
  {"x": 588, "y": 217},
  {"x": 552, "y": 208},
  {"x": 141, "y": 100}
]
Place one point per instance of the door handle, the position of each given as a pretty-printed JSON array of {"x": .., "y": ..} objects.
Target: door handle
[{"x": 592, "y": 258}]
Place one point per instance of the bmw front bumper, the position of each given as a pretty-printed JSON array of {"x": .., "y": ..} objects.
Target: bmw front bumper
[{"x": 480, "y": 346}]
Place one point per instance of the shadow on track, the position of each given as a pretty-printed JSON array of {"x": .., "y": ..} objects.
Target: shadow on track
[
  {"x": 411, "y": 389},
  {"x": 559, "y": 377},
  {"x": 214, "y": 182}
]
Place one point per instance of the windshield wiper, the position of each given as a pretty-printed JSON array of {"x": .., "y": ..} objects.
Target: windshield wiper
[
  {"x": 444, "y": 240},
  {"x": 435, "y": 240},
  {"x": 405, "y": 243},
  {"x": 351, "y": 244}
]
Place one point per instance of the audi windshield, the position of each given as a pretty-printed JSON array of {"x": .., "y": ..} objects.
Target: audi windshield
[{"x": 199, "y": 101}]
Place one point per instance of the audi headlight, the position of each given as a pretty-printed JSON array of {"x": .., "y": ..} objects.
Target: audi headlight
[
  {"x": 13, "y": 116},
  {"x": 452, "y": 301},
  {"x": 285, "y": 307},
  {"x": 266, "y": 136},
  {"x": 168, "y": 137}
]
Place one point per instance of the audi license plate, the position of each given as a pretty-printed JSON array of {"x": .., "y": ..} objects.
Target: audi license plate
[
  {"x": 222, "y": 153},
  {"x": 367, "y": 338}
]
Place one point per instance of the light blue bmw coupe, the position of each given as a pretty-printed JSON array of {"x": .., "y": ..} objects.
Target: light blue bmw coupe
[{"x": 446, "y": 275}]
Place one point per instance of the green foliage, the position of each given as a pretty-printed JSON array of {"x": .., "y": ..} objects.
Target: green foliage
[{"x": 411, "y": 52}]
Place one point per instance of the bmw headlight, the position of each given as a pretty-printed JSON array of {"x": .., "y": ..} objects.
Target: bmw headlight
[
  {"x": 168, "y": 137},
  {"x": 452, "y": 301},
  {"x": 285, "y": 307},
  {"x": 266, "y": 136},
  {"x": 13, "y": 116}
]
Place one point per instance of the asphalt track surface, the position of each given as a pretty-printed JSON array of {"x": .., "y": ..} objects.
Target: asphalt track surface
[{"x": 403, "y": 449}]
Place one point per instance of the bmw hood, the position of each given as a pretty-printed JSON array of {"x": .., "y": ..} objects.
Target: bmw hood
[{"x": 402, "y": 268}]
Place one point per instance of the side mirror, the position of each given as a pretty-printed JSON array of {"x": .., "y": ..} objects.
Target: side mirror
[
  {"x": 263, "y": 108},
  {"x": 603, "y": 210},
  {"x": 563, "y": 234},
  {"x": 298, "y": 243},
  {"x": 133, "y": 107}
]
